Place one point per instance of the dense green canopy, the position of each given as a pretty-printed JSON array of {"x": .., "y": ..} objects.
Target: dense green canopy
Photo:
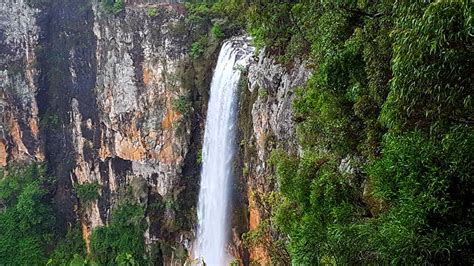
[{"x": 391, "y": 92}]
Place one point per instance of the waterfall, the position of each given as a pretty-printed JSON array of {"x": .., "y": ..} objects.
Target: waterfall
[{"x": 218, "y": 153}]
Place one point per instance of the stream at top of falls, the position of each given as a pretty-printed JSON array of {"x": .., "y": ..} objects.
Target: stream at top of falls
[{"x": 218, "y": 153}]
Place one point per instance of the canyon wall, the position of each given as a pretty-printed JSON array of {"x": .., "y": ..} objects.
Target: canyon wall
[
  {"x": 266, "y": 123},
  {"x": 112, "y": 99},
  {"x": 116, "y": 100},
  {"x": 19, "y": 123}
]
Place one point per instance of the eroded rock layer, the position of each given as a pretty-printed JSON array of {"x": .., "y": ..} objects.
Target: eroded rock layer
[
  {"x": 95, "y": 93},
  {"x": 266, "y": 123},
  {"x": 19, "y": 123},
  {"x": 116, "y": 99}
]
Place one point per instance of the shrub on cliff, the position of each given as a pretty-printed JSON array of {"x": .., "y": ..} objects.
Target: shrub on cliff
[
  {"x": 123, "y": 235},
  {"x": 217, "y": 32},
  {"x": 182, "y": 105},
  {"x": 113, "y": 6},
  {"x": 87, "y": 192},
  {"x": 152, "y": 12},
  {"x": 197, "y": 49}
]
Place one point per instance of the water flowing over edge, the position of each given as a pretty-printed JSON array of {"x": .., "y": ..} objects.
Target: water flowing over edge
[{"x": 218, "y": 153}]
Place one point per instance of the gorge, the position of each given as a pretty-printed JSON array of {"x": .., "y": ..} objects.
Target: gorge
[{"x": 145, "y": 132}]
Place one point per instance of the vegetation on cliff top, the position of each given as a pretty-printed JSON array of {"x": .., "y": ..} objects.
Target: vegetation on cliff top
[
  {"x": 391, "y": 97},
  {"x": 385, "y": 128}
]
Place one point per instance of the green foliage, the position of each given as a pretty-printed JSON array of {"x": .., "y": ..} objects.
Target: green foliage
[
  {"x": 217, "y": 32},
  {"x": 122, "y": 239},
  {"x": 202, "y": 10},
  {"x": 262, "y": 93},
  {"x": 69, "y": 250},
  {"x": 197, "y": 49},
  {"x": 125, "y": 259},
  {"x": 118, "y": 7},
  {"x": 152, "y": 12},
  {"x": 199, "y": 156},
  {"x": 427, "y": 183},
  {"x": 316, "y": 209},
  {"x": 391, "y": 87},
  {"x": 245, "y": 171},
  {"x": 26, "y": 217},
  {"x": 270, "y": 13},
  {"x": 432, "y": 81},
  {"x": 182, "y": 105},
  {"x": 28, "y": 229},
  {"x": 325, "y": 106},
  {"x": 242, "y": 70},
  {"x": 113, "y": 6},
  {"x": 51, "y": 121},
  {"x": 87, "y": 192},
  {"x": 79, "y": 260}
]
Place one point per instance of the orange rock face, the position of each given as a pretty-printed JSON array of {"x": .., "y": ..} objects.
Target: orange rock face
[
  {"x": 12, "y": 146},
  {"x": 170, "y": 117},
  {"x": 259, "y": 253},
  {"x": 129, "y": 147},
  {"x": 86, "y": 233},
  {"x": 3, "y": 153},
  {"x": 146, "y": 75}
]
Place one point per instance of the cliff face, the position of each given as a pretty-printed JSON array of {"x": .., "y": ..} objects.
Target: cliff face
[
  {"x": 266, "y": 123},
  {"x": 19, "y": 133},
  {"x": 95, "y": 95},
  {"x": 140, "y": 136},
  {"x": 115, "y": 99}
]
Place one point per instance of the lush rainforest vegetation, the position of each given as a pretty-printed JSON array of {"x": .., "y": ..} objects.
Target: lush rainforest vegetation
[
  {"x": 31, "y": 232},
  {"x": 29, "y": 229},
  {"x": 391, "y": 95}
]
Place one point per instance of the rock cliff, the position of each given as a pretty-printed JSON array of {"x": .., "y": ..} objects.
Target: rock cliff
[
  {"x": 116, "y": 100},
  {"x": 265, "y": 123},
  {"x": 19, "y": 124},
  {"x": 96, "y": 96}
]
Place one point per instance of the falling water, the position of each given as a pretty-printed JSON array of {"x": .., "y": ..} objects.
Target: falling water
[{"x": 218, "y": 153}]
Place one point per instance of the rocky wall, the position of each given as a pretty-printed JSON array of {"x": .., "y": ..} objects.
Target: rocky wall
[
  {"x": 19, "y": 123},
  {"x": 265, "y": 123},
  {"x": 99, "y": 97}
]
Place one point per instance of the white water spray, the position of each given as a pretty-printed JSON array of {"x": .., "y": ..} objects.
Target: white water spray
[{"x": 218, "y": 153}]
